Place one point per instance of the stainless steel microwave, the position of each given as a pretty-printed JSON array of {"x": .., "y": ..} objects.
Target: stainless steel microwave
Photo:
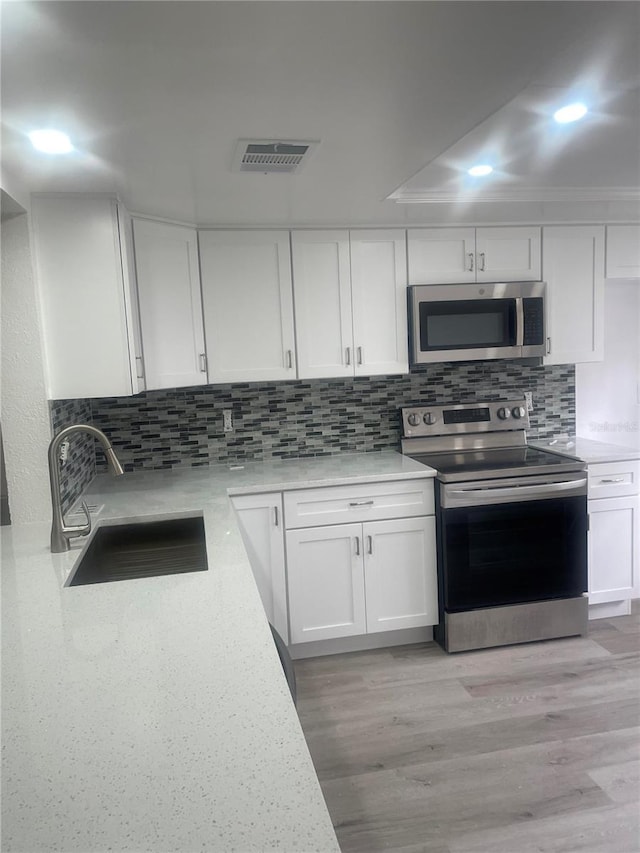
[{"x": 468, "y": 322}]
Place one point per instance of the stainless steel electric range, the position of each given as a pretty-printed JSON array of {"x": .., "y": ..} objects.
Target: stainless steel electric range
[{"x": 511, "y": 526}]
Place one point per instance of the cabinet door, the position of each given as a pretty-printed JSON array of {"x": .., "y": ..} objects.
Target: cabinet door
[
  {"x": 614, "y": 550},
  {"x": 508, "y": 254},
  {"x": 134, "y": 329},
  {"x": 441, "y": 255},
  {"x": 260, "y": 522},
  {"x": 623, "y": 251},
  {"x": 379, "y": 302},
  {"x": 84, "y": 295},
  {"x": 573, "y": 267},
  {"x": 248, "y": 305},
  {"x": 400, "y": 574},
  {"x": 326, "y": 582},
  {"x": 170, "y": 304},
  {"x": 322, "y": 289}
]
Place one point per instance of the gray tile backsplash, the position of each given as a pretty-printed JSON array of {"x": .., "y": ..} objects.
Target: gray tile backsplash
[
  {"x": 184, "y": 426},
  {"x": 80, "y": 467}
]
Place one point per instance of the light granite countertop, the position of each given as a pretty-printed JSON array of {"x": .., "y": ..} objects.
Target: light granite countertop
[
  {"x": 153, "y": 715},
  {"x": 587, "y": 449}
]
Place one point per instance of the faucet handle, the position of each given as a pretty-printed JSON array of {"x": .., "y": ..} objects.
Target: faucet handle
[{"x": 80, "y": 529}]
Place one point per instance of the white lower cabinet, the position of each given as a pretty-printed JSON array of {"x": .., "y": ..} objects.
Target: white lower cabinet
[
  {"x": 614, "y": 528},
  {"x": 400, "y": 573},
  {"x": 361, "y": 578},
  {"x": 614, "y": 531},
  {"x": 326, "y": 582},
  {"x": 260, "y": 522}
]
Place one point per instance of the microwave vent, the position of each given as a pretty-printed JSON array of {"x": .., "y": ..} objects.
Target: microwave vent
[{"x": 282, "y": 157}]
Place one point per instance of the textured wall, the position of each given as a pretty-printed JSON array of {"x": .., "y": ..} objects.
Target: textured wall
[
  {"x": 24, "y": 410},
  {"x": 183, "y": 427}
]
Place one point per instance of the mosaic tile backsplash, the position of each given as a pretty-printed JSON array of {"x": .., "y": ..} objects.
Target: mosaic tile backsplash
[
  {"x": 80, "y": 467},
  {"x": 319, "y": 417}
]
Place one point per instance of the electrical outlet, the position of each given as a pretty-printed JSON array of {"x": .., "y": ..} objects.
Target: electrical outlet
[
  {"x": 227, "y": 420},
  {"x": 528, "y": 398}
]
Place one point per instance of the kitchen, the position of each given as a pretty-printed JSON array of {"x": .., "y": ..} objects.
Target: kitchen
[{"x": 260, "y": 72}]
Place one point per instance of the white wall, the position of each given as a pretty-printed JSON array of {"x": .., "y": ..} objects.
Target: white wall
[
  {"x": 24, "y": 410},
  {"x": 608, "y": 392}
]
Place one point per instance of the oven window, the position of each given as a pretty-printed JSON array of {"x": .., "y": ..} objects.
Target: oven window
[
  {"x": 513, "y": 553},
  {"x": 467, "y": 324}
]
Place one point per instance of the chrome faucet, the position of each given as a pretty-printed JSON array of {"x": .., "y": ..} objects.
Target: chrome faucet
[{"x": 60, "y": 532}]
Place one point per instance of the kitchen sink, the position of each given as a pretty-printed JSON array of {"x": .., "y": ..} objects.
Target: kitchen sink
[{"x": 143, "y": 549}]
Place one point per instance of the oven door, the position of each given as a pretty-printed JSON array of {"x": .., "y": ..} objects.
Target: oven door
[{"x": 493, "y": 553}]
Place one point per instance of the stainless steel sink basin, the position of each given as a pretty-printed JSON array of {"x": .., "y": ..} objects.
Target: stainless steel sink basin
[{"x": 142, "y": 550}]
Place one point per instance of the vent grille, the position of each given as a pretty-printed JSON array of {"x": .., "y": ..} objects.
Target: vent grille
[{"x": 271, "y": 155}]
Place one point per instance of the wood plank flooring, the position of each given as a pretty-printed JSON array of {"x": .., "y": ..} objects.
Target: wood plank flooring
[{"x": 524, "y": 749}]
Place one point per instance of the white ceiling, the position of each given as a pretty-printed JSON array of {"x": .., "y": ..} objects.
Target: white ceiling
[{"x": 400, "y": 94}]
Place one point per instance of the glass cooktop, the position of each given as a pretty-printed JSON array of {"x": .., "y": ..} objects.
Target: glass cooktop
[{"x": 503, "y": 462}]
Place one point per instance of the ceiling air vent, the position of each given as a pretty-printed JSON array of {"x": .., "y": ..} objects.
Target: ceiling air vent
[{"x": 282, "y": 156}]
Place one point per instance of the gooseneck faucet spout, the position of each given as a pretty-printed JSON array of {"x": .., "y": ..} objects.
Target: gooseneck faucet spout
[{"x": 61, "y": 533}]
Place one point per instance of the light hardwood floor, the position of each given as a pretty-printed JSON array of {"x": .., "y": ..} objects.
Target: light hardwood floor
[{"x": 513, "y": 750}]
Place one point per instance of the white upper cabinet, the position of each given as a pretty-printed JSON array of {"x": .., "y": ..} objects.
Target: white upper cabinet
[
  {"x": 573, "y": 267},
  {"x": 379, "y": 302},
  {"x": 508, "y": 254},
  {"x": 170, "y": 304},
  {"x": 321, "y": 282},
  {"x": 441, "y": 255},
  {"x": 623, "y": 251},
  {"x": 350, "y": 302},
  {"x": 87, "y": 296},
  {"x": 248, "y": 305},
  {"x": 445, "y": 255}
]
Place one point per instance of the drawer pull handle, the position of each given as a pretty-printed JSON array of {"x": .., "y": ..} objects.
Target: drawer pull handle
[
  {"x": 613, "y": 480},
  {"x": 370, "y": 544},
  {"x": 357, "y": 546},
  {"x": 361, "y": 503},
  {"x": 276, "y": 520}
]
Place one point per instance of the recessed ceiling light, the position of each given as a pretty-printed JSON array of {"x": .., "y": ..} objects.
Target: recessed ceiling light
[
  {"x": 480, "y": 170},
  {"x": 51, "y": 141},
  {"x": 572, "y": 112}
]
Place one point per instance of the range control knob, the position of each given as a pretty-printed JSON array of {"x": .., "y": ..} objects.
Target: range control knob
[
  {"x": 414, "y": 419},
  {"x": 430, "y": 419},
  {"x": 503, "y": 413},
  {"x": 518, "y": 412}
]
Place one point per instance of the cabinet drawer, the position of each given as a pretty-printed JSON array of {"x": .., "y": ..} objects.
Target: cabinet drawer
[
  {"x": 614, "y": 479},
  {"x": 366, "y": 502}
]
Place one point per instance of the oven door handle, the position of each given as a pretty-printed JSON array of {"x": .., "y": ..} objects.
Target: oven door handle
[{"x": 500, "y": 494}]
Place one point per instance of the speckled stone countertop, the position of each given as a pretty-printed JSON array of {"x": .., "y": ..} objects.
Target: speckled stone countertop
[
  {"x": 587, "y": 450},
  {"x": 153, "y": 715}
]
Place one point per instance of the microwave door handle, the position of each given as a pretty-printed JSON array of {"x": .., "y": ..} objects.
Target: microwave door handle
[{"x": 519, "y": 322}]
